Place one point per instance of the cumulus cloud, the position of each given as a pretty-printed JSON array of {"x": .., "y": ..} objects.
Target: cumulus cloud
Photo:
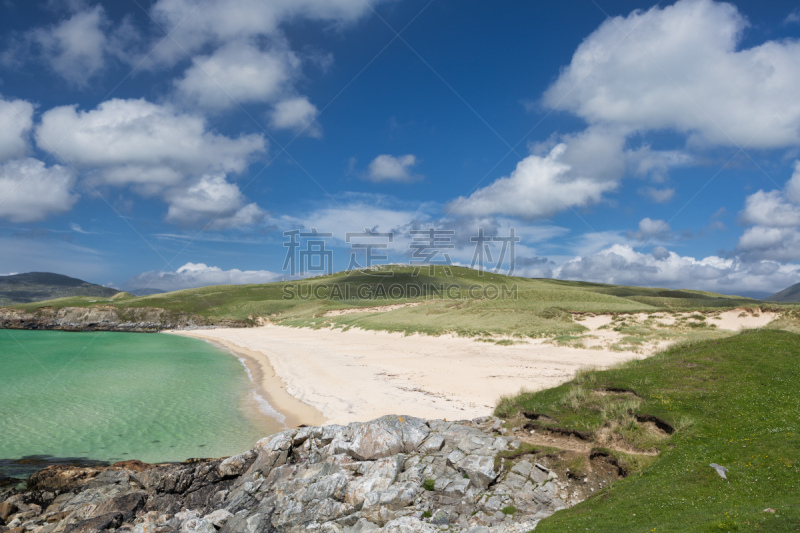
[
  {"x": 539, "y": 187},
  {"x": 214, "y": 201},
  {"x": 650, "y": 229},
  {"x": 296, "y": 114},
  {"x": 239, "y": 72},
  {"x": 135, "y": 141},
  {"x": 621, "y": 264},
  {"x": 773, "y": 208},
  {"x": 387, "y": 167},
  {"x": 76, "y": 48},
  {"x": 679, "y": 67},
  {"x": 30, "y": 191},
  {"x": 675, "y": 68},
  {"x": 193, "y": 275},
  {"x": 774, "y": 218},
  {"x": 16, "y": 117},
  {"x": 158, "y": 151}
]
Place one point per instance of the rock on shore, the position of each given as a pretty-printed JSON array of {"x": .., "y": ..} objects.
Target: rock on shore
[
  {"x": 395, "y": 474},
  {"x": 103, "y": 318}
]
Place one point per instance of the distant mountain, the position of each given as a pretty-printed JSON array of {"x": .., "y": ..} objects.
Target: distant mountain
[
  {"x": 38, "y": 286},
  {"x": 792, "y": 294},
  {"x": 146, "y": 292}
]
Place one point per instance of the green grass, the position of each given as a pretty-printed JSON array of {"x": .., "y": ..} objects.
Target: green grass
[
  {"x": 732, "y": 401},
  {"x": 460, "y": 303}
]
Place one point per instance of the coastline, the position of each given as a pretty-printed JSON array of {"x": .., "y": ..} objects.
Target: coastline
[
  {"x": 315, "y": 376},
  {"x": 268, "y": 385}
]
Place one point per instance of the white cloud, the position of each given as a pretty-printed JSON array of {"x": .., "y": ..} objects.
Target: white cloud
[
  {"x": 672, "y": 68},
  {"x": 679, "y": 67},
  {"x": 29, "y": 191},
  {"x": 251, "y": 60},
  {"x": 778, "y": 244},
  {"x": 353, "y": 213},
  {"x": 387, "y": 167},
  {"x": 656, "y": 163},
  {"x": 771, "y": 209},
  {"x": 158, "y": 151},
  {"x": 239, "y": 73},
  {"x": 76, "y": 47},
  {"x": 793, "y": 17},
  {"x": 774, "y": 217},
  {"x": 650, "y": 229},
  {"x": 135, "y": 141},
  {"x": 194, "y": 24},
  {"x": 16, "y": 117},
  {"x": 296, "y": 114},
  {"x": 214, "y": 201},
  {"x": 659, "y": 196},
  {"x": 193, "y": 275},
  {"x": 620, "y": 264},
  {"x": 539, "y": 187}
]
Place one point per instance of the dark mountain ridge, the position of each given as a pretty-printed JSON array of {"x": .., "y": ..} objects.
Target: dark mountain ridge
[
  {"x": 38, "y": 286},
  {"x": 790, "y": 294}
]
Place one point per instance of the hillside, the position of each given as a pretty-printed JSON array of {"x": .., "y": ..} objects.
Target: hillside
[
  {"x": 791, "y": 294},
  {"x": 39, "y": 286},
  {"x": 396, "y": 298}
]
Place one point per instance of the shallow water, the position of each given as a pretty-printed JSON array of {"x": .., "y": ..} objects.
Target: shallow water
[{"x": 119, "y": 396}]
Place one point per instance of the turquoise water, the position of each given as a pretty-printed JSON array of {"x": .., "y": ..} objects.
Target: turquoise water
[{"x": 119, "y": 396}]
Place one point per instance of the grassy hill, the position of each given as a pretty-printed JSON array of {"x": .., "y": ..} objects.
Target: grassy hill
[
  {"x": 791, "y": 294},
  {"x": 732, "y": 402},
  {"x": 38, "y": 286},
  {"x": 459, "y": 300}
]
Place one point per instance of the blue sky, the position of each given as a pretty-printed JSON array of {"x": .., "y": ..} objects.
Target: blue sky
[{"x": 171, "y": 143}]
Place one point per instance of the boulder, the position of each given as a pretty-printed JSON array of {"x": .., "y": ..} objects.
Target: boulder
[{"x": 383, "y": 437}]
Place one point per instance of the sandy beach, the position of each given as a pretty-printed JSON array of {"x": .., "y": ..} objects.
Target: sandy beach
[{"x": 315, "y": 376}]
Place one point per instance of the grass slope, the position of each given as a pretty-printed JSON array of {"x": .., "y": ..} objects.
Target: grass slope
[
  {"x": 790, "y": 294},
  {"x": 733, "y": 402},
  {"x": 460, "y": 300},
  {"x": 39, "y": 286}
]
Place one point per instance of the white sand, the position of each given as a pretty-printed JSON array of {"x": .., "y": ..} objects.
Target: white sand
[
  {"x": 333, "y": 376},
  {"x": 359, "y": 375},
  {"x": 733, "y": 320}
]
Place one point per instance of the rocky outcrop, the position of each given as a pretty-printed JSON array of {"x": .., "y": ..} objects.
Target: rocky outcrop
[
  {"x": 394, "y": 474},
  {"x": 103, "y": 318}
]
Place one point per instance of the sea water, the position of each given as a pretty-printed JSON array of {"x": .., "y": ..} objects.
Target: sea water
[{"x": 118, "y": 396}]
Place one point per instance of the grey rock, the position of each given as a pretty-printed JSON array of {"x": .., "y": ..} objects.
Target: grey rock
[
  {"x": 197, "y": 525},
  {"x": 721, "y": 470},
  {"x": 434, "y": 443},
  {"x": 383, "y": 437},
  {"x": 236, "y": 465},
  {"x": 522, "y": 468},
  {"x": 479, "y": 468},
  {"x": 332, "y": 479},
  {"x": 218, "y": 518},
  {"x": 440, "y": 518},
  {"x": 361, "y": 526},
  {"x": 408, "y": 525}
]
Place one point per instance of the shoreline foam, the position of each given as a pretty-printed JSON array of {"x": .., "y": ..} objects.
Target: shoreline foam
[{"x": 289, "y": 411}]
